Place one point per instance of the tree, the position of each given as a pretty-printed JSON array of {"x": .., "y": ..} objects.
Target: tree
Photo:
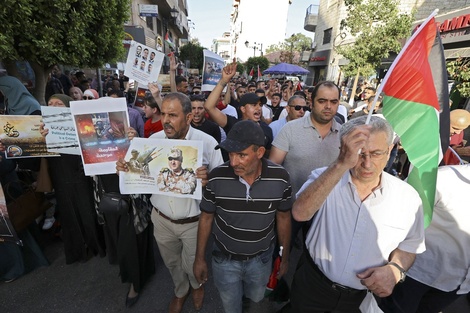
[
  {"x": 194, "y": 53},
  {"x": 459, "y": 71},
  {"x": 240, "y": 67},
  {"x": 70, "y": 32},
  {"x": 299, "y": 42},
  {"x": 253, "y": 62},
  {"x": 378, "y": 28}
]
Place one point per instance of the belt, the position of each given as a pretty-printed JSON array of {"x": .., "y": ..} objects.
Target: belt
[
  {"x": 333, "y": 285},
  {"x": 187, "y": 220}
]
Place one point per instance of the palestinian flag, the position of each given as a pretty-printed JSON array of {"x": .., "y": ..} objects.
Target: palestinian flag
[
  {"x": 416, "y": 104},
  {"x": 259, "y": 74},
  {"x": 251, "y": 73}
]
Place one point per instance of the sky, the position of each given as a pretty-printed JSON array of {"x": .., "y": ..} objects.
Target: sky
[{"x": 211, "y": 18}]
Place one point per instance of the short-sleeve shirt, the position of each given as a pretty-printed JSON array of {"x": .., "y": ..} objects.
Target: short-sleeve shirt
[
  {"x": 245, "y": 215},
  {"x": 348, "y": 236}
]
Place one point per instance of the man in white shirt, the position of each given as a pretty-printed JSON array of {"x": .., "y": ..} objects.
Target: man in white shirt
[
  {"x": 367, "y": 229},
  {"x": 175, "y": 219},
  {"x": 441, "y": 274}
]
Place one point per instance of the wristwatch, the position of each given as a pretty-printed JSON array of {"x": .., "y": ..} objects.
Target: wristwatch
[{"x": 401, "y": 269}]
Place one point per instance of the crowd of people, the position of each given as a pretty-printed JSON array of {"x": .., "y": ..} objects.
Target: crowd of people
[{"x": 278, "y": 158}]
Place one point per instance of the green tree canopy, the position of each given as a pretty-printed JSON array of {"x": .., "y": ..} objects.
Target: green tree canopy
[
  {"x": 253, "y": 62},
  {"x": 194, "y": 53},
  {"x": 69, "y": 32},
  {"x": 378, "y": 27},
  {"x": 459, "y": 71},
  {"x": 240, "y": 67},
  {"x": 298, "y": 42}
]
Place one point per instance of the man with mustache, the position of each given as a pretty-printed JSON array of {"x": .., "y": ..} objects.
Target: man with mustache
[{"x": 175, "y": 219}]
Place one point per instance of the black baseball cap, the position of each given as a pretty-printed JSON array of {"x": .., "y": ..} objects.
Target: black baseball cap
[
  {"x": 252, "y": 98},
  {"x": 242, "y": 135}
]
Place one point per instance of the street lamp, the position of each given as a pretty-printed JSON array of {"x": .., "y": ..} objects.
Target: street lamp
[
  {"x": 255, "y": 46},
  {"x": 174, "y": 13}
]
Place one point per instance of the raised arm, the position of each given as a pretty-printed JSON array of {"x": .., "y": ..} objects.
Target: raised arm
[
  {"x": 313, "y": 196},
  {"x": 173, "y": 68},
  {"x": 211, "y": 103},
  {"x": 156, "y": 94}
]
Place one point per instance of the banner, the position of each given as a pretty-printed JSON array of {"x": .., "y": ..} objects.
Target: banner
[
  {"x": 101, "y": 132},
  {"x": 163, "y": 166},
  {"x": 212, "y": 73},
  {"x": 62, "y": 136},
  {"x": 143, "y": 63}
]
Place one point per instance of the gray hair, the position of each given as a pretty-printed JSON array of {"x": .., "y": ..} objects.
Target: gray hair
[
  {"x": 183, "y": 100},
  {"x": 378, "y": 124},
  {"x": 291, "y": 99}
]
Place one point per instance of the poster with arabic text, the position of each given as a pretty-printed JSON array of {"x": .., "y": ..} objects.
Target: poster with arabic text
[{"x": 62, "y": 137}]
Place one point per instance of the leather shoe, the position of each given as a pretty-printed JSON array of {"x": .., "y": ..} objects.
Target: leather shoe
[
  {"x": 198, "y": 297},
  {"x": 131, "y": 301},
  {"x": 176, "y": 304}
]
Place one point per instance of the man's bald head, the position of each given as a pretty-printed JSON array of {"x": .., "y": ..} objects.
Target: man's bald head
[{"x": 459, "y": 121}]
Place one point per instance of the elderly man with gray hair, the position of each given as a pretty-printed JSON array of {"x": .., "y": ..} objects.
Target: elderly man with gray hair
[{"x": 367, "y": 229}]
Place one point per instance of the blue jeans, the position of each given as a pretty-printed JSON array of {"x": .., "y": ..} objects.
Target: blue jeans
[{"x": 234, "y": 279}]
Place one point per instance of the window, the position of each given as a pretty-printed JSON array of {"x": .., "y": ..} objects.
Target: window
[
  {"x": 149, "y": 21},
  {"x": 327, "y": 35}
]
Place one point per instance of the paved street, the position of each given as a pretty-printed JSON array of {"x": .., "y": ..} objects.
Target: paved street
[{"x": 95, "y": 286}]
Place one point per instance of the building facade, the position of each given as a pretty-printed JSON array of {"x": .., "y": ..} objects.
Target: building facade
[
  {"x": 255, "y": 25},
  {"x": 325, "y": 62},
  {"x": 222, "y": 46}
]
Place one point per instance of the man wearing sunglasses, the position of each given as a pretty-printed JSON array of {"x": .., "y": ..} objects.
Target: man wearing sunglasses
[{"x": 296, "y": 108}]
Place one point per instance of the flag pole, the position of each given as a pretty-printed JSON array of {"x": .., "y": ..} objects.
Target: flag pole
[{"x": 408, "y": 42}]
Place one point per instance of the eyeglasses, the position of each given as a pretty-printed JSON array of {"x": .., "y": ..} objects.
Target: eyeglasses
[
  {"x": 88, "y": 98},
  {"x": 374, "y": 155},
  {"x": 300, "y": 107},
  {"x": 173, "y": 159},
  {"x": 197, "y": 97}
]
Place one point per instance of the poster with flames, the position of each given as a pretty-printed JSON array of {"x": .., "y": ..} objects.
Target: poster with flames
[{"x": 101, "y": 126}]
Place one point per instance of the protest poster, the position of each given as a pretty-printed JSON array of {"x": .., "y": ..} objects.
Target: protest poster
[
  {"x": 7, "y": 232},
  {"x": 143, "y": 63},
  {"x": 101, "y": 126},
  {"x": 163, "y": 166},
  {"x": 62, "y": 136},
  {"x": 212, "y": 72},
  {"x": 21, "y": 137}
]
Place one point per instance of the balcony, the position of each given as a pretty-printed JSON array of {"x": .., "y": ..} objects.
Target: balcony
[{"x": 311, "y": 18}]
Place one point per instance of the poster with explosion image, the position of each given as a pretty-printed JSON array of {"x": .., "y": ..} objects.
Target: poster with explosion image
[
  {"x": 21, "y": 137},
  {"x": 163, "y": 166},
  {"x": 7, "y": 232},
  {"x": 101, "y": 127}
]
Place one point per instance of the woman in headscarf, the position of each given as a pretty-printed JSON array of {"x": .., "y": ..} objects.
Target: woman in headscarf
[
  {"x": 76, "y": 93},
  {"x": 81, "y": 233},
  {"x": 18, "y": 100}
]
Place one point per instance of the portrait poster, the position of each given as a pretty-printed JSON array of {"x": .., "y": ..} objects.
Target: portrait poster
[
  {"x": 143, "y": 63},
  {"x": 101, "y": 127},
  {"x": 7, "y": 232},
  {"x": 62, "y": 136},
  {"x": 21, "y": 137},
  {"x": 212, "y": 71},
  {"x": 163, "y": 166}
]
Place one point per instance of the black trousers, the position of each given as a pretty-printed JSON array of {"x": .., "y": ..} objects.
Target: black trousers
[
  {"x": 313, "y": 292},
  {"x": 411, "y": 296}
]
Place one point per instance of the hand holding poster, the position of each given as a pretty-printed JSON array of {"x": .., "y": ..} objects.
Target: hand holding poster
[
  {"x": 163, "y": 166},
  {"x": 143, "y": 63},
  {"x": 101, "y": 126},
  {"x": 21, "y": 137},
  {"x": 62, "y": 136},
  {"x": 212, "y": 73}
]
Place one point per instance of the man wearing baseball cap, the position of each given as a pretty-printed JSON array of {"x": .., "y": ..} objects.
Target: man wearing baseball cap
[
  {"x": 250, "y": 105},
  {"x": 243, "y": 201}
]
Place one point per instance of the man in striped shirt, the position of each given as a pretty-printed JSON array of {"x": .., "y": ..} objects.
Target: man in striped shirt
[{"x": 243, "y": 201}]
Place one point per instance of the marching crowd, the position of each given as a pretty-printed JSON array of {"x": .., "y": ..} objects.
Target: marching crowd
[{"x": 278, "y": 158}]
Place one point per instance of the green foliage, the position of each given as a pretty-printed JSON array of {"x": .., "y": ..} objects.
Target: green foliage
[
  {"x": 253, "y": 62},
  {"x": 459, "y": 71},
  {"x": 378, "y": 27},
  {"x": 240, "y": 67},
  {"x": 194, "y": 53},
  {"x": 70, "y": 32},
  {"x": 298, "y": 42}
]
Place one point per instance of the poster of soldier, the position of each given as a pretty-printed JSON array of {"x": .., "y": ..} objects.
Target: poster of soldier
[
  {"x": 101, "y": 127},
  {"x": 62, "y": 136},
  {"x": 212, "y": 73},
  {"x": 143, "y": 63},
  {"x": 21, "y": 137},
  {"x": 163, "y": 166},
  {"x": 7, "y": 232}
]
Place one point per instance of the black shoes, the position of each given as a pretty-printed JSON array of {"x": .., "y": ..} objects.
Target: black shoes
[{"x": 131, "y": 301}]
